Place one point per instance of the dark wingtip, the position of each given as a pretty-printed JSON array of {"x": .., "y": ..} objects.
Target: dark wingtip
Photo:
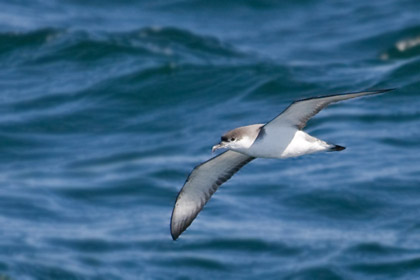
[
  {"x": 384, "y": 90},
  {"x": 174, "y": 236},
  {"x": 175, "y": 233},
  {"x": 381, "y": 90},
  {"x": 337, "y": 148}
]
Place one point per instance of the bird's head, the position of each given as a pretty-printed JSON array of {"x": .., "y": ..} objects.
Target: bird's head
[{"x": 239, "y": 138}]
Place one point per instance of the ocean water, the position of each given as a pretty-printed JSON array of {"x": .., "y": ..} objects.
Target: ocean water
[{"x": 106, "y": 107}]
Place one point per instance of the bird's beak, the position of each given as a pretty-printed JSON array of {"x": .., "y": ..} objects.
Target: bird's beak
[{"x": 218, "y": 146}]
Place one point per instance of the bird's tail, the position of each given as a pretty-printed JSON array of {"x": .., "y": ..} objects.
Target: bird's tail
[{"x": 334, "y": 148}]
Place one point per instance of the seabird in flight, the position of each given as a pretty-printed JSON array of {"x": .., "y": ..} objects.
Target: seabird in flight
[{"x": 281, "y": 137}]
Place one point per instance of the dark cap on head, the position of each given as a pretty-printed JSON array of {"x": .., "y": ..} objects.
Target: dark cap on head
[{"x": 250, "y": 131}]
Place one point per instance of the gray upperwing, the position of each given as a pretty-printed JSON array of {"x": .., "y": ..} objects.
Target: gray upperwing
[
  {"x": 300, "y": 111},
  {"x": 202, "y": 182}
]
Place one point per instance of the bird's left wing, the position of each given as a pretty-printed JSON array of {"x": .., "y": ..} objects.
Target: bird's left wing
[
  {"x": 202, "y": 182},
  {"x": 299, "y": 112}
]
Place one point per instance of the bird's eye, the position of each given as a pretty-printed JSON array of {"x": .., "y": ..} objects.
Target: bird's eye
[{"x": 232, "y": 139}]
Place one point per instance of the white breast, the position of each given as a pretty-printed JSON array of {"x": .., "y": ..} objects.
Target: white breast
[{"x": 284, "y": 143}]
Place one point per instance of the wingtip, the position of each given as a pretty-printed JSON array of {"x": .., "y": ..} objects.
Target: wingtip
[
  {"x": 384, "y": 90},
  {"x": 175, "y": 233},
  {"x": 176, "y": 227},
  {"x": 177, "y": 230},
  {"x": 174, "y": 236}
]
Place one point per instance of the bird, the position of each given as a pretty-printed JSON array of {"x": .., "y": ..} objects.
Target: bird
[{"x": 282, "y": 137}]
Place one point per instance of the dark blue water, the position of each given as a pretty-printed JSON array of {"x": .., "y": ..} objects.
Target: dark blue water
[{"x": 106, "y": 107}]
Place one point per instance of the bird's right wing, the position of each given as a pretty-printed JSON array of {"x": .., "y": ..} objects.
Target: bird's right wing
[
  {"x": 202, "y": 182},
  {"x": 299, "y": 112}
]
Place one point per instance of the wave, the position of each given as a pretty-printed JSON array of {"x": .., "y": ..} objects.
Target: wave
[
  {"x": 151, "y": 43},
  {"x": 405, "y": 44},
  {"x": 402, "y": 43}
]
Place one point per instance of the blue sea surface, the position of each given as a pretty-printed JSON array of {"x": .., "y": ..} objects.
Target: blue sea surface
[{"x": 106, "y": 107}]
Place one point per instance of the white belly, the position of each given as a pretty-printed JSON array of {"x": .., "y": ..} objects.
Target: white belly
[{"x": 284, "y": 143}]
